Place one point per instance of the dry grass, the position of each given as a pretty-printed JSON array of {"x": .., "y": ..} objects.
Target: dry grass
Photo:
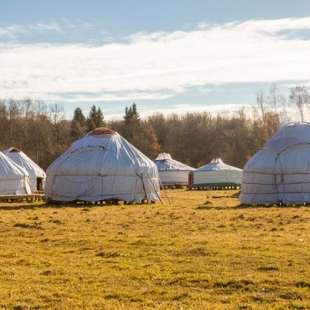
[{"x": 200, "y": 251}]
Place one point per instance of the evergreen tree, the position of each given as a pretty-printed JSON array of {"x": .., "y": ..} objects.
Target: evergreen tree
[
  {"x": 100, "y": 122},
  {"x": 95, "y": 118},
  {"x": 78, "y": 116},
  {"x": 131, "y": 123},
  {"x": 131, "y": 115},
  {"x": 78, "y": 124}
]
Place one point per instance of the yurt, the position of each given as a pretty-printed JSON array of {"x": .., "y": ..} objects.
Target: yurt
[
  {"x": 279, "y": 173},
  {"x": 172, "y": 172},
  {"x": 102, "y": 166},
  {"x": 216, "y": 174},
  {"x": 14, "y": 180},
  {"x": 37, "y": 175}
]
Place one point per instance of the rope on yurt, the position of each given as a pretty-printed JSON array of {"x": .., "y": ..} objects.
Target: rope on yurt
[
  {"x": 162, "y": 186},
  {"x": 156, "y": 190},
  {"x": 145, "y": 194},
  {"x": 275, "y": 185},
  {"x": 281, "y": 182}
]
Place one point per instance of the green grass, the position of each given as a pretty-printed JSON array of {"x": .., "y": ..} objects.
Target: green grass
[{"x": 200, "y": 251}]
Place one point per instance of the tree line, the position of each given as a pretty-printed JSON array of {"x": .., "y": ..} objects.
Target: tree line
[{"x": 43, "y": 132}]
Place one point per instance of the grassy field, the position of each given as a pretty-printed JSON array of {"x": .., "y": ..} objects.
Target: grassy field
[{"x": 197, "y": 250}]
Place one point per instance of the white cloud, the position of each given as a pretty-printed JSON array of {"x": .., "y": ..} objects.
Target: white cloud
[
  {"x": 154, "y": 66},
  {"x": 132, "y": 96},
  {"x": 51, "y": 26},
  {"x": 12, "y": 32}
]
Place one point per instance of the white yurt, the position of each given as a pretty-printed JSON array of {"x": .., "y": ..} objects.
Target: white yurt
[
  {"x": 14, "y": 180},
  {"x": 102, "y": 166},
  {"x": 216, "y": 174},
  {"x": 37, "y": 175},
  {"x": 172, "y": 172},
  {"x": 280, "y": 171}
]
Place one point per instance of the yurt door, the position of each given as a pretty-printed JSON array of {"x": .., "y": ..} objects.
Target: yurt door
[
  {"x": 40, "y": 184},
  {"x": 190, "y": 178}
]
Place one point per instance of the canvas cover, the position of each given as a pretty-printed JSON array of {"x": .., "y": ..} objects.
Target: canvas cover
[
  {"x": 100, "y": 166},
  {"x": 280, "y": 171},
  {"x": 172, "y": 172},
  {"x": 14, "y": 180},
  {"x": 216, "y": 173},
  {"x": 34, "y": 170}
]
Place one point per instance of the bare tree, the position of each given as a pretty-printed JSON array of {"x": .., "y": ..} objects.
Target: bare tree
[
  {"x": 56, "y": 113},
  {"x": 40, "y": 108},
  {"x": 300, "y": 97},
  {"x": 260, "y": 101}
]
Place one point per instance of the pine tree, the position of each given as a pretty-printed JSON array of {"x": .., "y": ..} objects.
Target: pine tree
[
  {"x": 78, "y": 116},
  {"x": 100, "y": 122},
  {"x": 78, "y": 124},
  {"x": 131, "y": 122},
  {"x": 131, "y": 115},
  {"x": 95, "y": 118}
]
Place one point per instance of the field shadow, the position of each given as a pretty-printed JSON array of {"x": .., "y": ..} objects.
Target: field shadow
[
  {"x": 59, "y": 205},
  {"x": 27, "y": 207},
  {"x": 44, "y": 206},
  {"x": 277, "y": 206},
  {"x": 244, "y": 206}
]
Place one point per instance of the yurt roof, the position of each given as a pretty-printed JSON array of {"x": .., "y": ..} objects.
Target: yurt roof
[
  {"x": 217, "y": 164},
  {"x": 97, "y": 137},
  {"x": 20, "y": 158},
  {"x": 290, "y": 136},
  {"x": 9, "y": 169},
  {"x": 163, "y": 156},
  {"x": 110, "y": 141},
  {"x": 164, "y": 161}
]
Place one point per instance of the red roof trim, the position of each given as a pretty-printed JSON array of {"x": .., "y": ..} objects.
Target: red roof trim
[{"x": 102, "y": 131}]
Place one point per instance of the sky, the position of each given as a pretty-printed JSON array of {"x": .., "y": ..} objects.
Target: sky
[{"x": 167, "y": 56}]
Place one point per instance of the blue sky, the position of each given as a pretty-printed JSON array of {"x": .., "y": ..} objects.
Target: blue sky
[{"x": 166, "y": 55}]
